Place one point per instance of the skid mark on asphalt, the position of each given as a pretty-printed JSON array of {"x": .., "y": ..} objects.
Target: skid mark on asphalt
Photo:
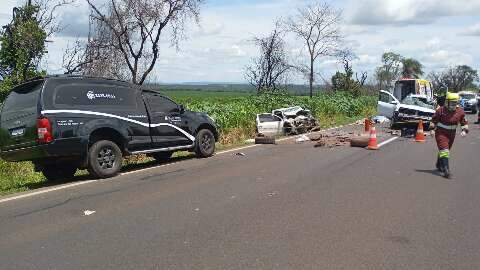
[
  {"x": 159, "y": 177},
  {"x": 402, "y": 240}
]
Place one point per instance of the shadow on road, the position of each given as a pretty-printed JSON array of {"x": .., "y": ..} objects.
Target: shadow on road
[
  {"x": 84, "y": 176},
  {"x": 433, "y": 172},
  {"x": 154, "y": 163}
]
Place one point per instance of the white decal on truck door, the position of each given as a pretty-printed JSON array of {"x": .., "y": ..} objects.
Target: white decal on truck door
[{"x": 188, "y": 135}]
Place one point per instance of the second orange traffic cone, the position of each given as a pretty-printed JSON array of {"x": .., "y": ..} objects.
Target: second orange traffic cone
[
  {"x": 420, "y": 136},
  {"x": 372, "y": 144}
]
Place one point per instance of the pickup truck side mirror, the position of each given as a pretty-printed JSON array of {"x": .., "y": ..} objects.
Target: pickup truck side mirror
[
  {"x": 181, "y": 108},
  {"x": 394, "y": 102}
]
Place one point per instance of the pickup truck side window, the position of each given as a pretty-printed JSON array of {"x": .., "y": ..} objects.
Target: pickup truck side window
[
  {"x": 159, "y": 104},
  {"x": 268, "y": 118},
  {"x": 94, "y": 95}
]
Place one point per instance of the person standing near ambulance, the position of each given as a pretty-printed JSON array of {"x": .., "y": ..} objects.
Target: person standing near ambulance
[{"x": 445, "y": 121}]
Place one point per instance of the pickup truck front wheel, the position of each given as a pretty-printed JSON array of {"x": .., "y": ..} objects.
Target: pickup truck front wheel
[
  {"x": 104, "y": 159},
  {"x": 205, "y": 143}
]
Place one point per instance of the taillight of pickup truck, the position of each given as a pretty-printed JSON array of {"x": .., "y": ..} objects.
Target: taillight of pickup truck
[{"x": 44, "y": 130}]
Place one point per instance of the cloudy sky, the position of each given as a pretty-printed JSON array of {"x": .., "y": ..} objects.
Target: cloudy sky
[{"x": 439, "y": 33}]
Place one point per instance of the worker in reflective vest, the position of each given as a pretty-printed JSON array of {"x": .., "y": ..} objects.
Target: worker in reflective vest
[{"x": 445, "y": 120}]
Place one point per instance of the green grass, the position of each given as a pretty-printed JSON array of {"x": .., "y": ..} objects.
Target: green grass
[
  {"x": 234, "y": 114},
  {"x": 16, "y": 177}
]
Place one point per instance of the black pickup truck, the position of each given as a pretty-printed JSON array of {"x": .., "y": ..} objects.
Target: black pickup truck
[{"x": 65, "y": 123}]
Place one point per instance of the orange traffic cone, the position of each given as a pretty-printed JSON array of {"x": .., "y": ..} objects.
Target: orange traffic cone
[
  {"x": 367, "y": 125},
  {"x": 372, "y": 144},
  {"x": 420, "y": 136}
]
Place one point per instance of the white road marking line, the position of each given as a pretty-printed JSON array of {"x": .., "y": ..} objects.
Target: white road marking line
[
  {"x": 236, "y": 149},
  {"x": 34, "y": 193},
  {"x": 388, "y": 141}
]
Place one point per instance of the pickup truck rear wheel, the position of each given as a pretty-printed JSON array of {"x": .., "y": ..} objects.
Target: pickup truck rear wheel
[
  {"x": 58, "y": 172},
  {"x": 104, "y": 159},
  {"x": 205, "y": 143}
]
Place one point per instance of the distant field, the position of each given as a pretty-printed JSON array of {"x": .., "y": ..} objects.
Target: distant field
[{"x": 203, "y": 94}]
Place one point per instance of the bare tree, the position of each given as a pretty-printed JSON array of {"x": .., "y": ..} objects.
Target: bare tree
[
  {"x": 74, "y": 58},
  {"x": 271, "y": 66},
  {"x": 135, "y": 28},
  {"x": 456, "y": 78},
  {"x": 345, "y": 81},
  {"x": 318, "y": 26},
  {"x": 48, "y": 13}
]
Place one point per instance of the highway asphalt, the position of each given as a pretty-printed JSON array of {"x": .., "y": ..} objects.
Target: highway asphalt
[{"x": 286, "y": 206}]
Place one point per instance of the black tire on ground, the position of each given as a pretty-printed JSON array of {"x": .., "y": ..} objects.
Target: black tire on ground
[
  {"x": 59, "y": 172},
  {"x": 265, "y": 140},
  {"x": 204, "y": 143},
  {"x": 162, "y": 156},
  {"x": 104, "y": 159}
]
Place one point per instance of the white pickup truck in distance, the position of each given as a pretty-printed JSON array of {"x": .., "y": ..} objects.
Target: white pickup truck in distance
[{"x": 409, "y": 103}]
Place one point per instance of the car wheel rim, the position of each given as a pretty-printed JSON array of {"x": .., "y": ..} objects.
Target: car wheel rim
[
  {"x": 206, "y": 142},
  {"x": 106, "y": 158}
]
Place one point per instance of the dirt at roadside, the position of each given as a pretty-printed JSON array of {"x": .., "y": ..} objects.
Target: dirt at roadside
[{"x": 339, "y": 137}]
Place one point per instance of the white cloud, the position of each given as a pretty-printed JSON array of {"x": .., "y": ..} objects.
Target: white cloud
[
  {"x": 445, "y": 58},
  {"x": 222, "y": 46},
  {"x": 405, "y": 12},
  {"x": 473, "y": 30},
  {"x": 433, "y": 43}
]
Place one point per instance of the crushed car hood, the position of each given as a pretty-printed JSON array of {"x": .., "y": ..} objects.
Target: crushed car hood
[{"x": 414, "y": 107}]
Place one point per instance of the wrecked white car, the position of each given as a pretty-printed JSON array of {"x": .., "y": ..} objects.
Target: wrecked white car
[
  {"x": 270, "y": 125},
  {"x": 292, "y": 120}
]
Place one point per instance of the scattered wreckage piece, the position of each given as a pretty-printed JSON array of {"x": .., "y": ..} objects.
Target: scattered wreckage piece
[
  {"x": 360, "y": 141},
  {"x": 286, "y": 121},
  {"x": 265, "y": 140},
  {"x": 333, "y": 140}
]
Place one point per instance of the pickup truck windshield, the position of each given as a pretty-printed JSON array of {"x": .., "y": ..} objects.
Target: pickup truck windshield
[{"x": 417, "y": 101}]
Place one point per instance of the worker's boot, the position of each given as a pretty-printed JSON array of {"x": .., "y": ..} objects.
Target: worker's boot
[
  {"x": 444, "y": 163},
  {"x": 439, "y": 167}
]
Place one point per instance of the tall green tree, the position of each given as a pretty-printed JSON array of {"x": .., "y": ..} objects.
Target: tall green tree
[
  {"x": 22, "y": 45},
  {"x": 412, "y": 68},
  {"x": 390, "y": 70}
]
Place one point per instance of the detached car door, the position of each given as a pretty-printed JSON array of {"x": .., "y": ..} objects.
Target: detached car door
[
  {"x": 387, "y": 104},
  {"x": 166, "y": 122}
]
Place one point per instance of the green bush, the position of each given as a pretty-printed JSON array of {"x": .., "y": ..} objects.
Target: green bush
[{"x": 241, "y": 112}]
